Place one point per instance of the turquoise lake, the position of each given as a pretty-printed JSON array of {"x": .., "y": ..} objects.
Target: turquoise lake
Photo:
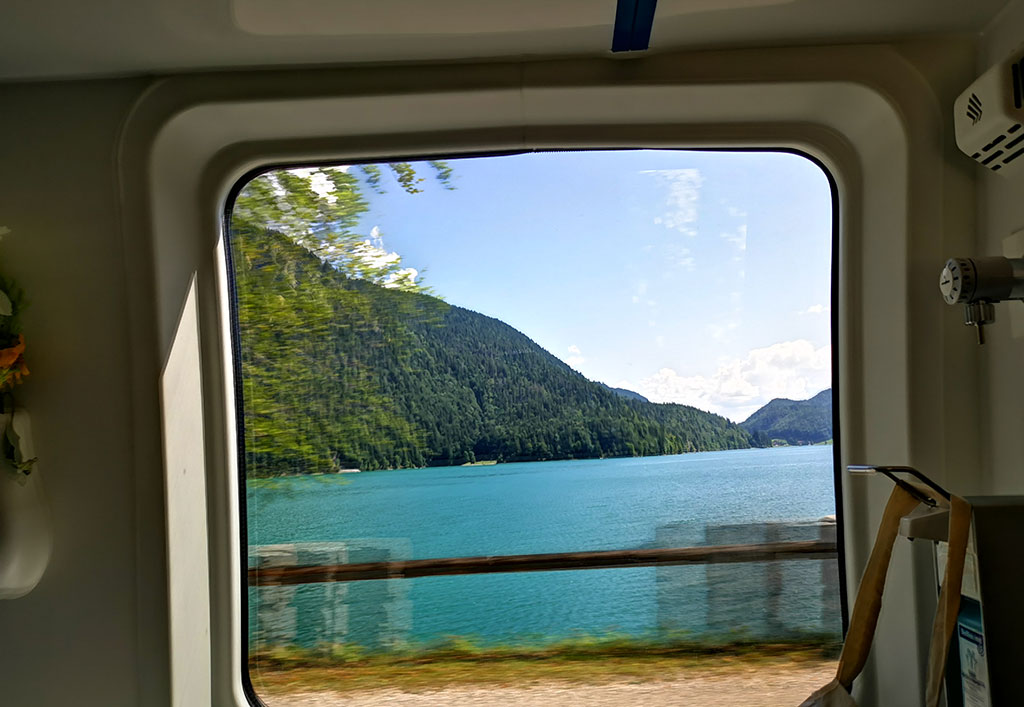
[{"x": 711, "y": 498}]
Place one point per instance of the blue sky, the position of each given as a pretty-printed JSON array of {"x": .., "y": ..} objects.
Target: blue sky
[{"x": 693, "y": 277}]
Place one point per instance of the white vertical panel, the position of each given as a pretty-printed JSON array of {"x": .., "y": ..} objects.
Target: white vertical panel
[{"x": 187, "y": 555}]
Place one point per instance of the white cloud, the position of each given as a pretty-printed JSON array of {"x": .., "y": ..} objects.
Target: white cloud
[
  {"x": 576, "y": 358},
  {"x": 319, "y": 181},
  {"x": 682, "y": 200},
  {"x": 684, "y": 259},
  {"x": 738, "y": 237},
  {"x": 368, "y": 257},
  {"x": 813, "y": 309},
  {"x": 406, "y": 277},
  {"x": 373, "y": 256},
  {"x": 789, "y": 369},
  {"x": 323, "y": 186}
]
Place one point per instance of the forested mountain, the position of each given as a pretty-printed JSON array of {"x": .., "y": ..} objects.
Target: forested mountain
[
  {"x": 347, "y": 361},
  {"x": 795, "y": 421},
  {"x": 342, "y": 373},
  {"x": 479, "y": 389}
]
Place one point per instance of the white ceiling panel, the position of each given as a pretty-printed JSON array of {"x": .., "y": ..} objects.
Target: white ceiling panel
[{"x": 72, "y": 38}]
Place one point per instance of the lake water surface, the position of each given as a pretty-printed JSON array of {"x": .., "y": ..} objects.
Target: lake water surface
[{"x": 712, "y": 498}]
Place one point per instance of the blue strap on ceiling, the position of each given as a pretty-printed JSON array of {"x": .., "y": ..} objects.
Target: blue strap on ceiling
[{"x": 633, "y": 22}]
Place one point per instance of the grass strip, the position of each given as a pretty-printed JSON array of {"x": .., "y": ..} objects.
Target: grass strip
[{"x": 459, "y": 662}]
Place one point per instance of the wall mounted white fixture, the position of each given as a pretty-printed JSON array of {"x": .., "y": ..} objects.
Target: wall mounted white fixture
[{"x": 26, "y": 533}]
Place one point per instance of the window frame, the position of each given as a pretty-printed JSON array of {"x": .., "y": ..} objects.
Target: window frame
[
  {"x": 236, "y": 348},
  {"x": 189, "y": 139}
]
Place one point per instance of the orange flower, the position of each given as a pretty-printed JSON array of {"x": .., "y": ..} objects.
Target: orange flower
[
  {"x": 21, "y": 370},
  {"x": 12, "y": 364},
  {"x": 9, "y": 356}
]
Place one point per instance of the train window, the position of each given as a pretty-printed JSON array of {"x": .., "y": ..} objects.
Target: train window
[{"x": 513, "y": 422}]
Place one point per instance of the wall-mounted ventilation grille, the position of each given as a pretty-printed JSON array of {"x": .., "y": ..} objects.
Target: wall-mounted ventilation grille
[
  {"x": 974, "y": 108},
  {"x": 991, "y": 159},
  {"x": 989, "y": 116}
]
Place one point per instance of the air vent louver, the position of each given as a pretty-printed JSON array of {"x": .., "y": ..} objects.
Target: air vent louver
[
  {"x": 1014, "y": 156},
  {"x": 991, "y": 157},
  {"x": 974, "y": 109}
]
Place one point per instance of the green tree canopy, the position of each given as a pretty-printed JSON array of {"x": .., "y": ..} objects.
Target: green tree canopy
[
  {"x": 319, "y": 208},
  {"x": 306, "y": 331}
]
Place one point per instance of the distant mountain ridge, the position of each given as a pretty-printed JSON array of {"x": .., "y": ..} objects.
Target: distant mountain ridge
[
  {"x": 631, "y": 394},
  {"x": 794, "y": 421}
]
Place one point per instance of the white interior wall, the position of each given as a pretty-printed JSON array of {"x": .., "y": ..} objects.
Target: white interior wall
[
  {"x": 1000, "y": 213},
  {"x": 96, "y": 630},
  {"x": 85, "y": 635}
]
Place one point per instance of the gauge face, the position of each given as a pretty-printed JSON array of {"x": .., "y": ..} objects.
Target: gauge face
[
  {"x": 957, "y": 280},
  {"x": 950, "y": 281}
]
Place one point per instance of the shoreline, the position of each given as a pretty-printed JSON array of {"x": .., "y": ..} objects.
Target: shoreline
[{"x": 495, "y": 462}]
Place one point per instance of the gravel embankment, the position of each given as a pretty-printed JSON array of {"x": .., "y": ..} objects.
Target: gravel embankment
[{"x": 754, "y": 687}]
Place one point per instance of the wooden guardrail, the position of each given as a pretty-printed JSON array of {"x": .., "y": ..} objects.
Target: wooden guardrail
[{"x": 602, "y": 559}]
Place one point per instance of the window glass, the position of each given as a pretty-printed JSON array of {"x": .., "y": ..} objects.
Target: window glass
[{"x": 504, "y": 420}]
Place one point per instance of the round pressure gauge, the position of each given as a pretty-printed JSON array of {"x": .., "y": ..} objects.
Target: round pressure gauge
[{"x": 958, "y": 280}]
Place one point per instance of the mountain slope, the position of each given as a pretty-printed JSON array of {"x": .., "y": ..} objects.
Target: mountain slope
[
  {"x": 480, "y": 390},
  {"x": 384, "y": 379},
  {"x": 795, "y": 421}
]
